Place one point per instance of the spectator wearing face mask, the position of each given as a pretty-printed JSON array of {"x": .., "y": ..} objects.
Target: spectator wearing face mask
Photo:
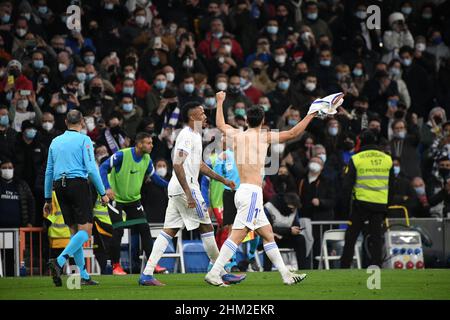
[
  {"x": 283, "y": 182},
  {"x": 419, "y": 83},
  {"x": 17, "y": 207},
  {"x": 317, "y": 25},
  {"x": 280, "y": 63},
  {"x": 246, "y": 79},
  {"x": 113, "y": 136},
  {"x": 31, "y": 156},
  {"x": 433, "y": 128},
  {"x": 397, "y": 37},
  {"x": 7, "y": 134},
  {"x": 421, "y": 205},
  {"x": 403, "y": 145},
  {"x": 24, "y": 107},
  {"x": 131, "y": 113},
  {"x": 401, "y": 192},
  {"x": 440, "y": 145},
  {"x": 282, "y": 212},
  {"x": 436, "y": 183},
  {"x": 437, "y": 47},
  {"x": 424, "y": 58},
  {"x": 284, "y": 94},
  {"x": 154, "y": 197},
  {"x": 326, "y": 72},
  {"x": 318, "y": 198},
  {"x": 48, "y": 132},
  {"x": 234, "y": 94},
  {"x": 96, "y": 103},
  {"x": 395, "y": 73},
  {"x": 187, "y": 91}
]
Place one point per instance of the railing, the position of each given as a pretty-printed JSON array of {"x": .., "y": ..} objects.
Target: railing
[
  {"x": 23, "y": 246},
  {"x": 9, "y": 239}
]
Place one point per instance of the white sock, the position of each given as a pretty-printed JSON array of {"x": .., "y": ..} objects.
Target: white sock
[
  {"x": 274, "y": 255},
  {"x": 226, "y": 252},
  {"x": 210, "y": 245},
  {"x": 159, "y": 247}
]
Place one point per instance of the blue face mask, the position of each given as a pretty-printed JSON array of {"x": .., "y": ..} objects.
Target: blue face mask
[
  {"x": 436, "y": 41},
  {"x": 292, "y": 122},
  {"x": 160, "y": 85},
  {"x": 127, "y": 107},
  {"x": 407, "y": 62},
  {"x": 283, "y": 85},
  {"x": 210, "y": 102},
  {"x": 333, "y": 131},
  {"x": 312, "y": 16},
  {"x": 6, "y": 18},
  {"x": 154, "y": 60},
  {"x": 420, "y": 190},
  {"x": 42, "y": 9},
  {"x": 30, "y": 134},
  {"x": 357, "y": 72},
  {"x": 89, "y": 76},
  {"x": 396, "y": 170},
  {"x": 128, "y": 90},
  {"x": 4, "y": 120},
  {"x": 392, "y": 103},
  {"x": 272, "y": 29},
  {"x": 189, "y": 88},
  {"x": 243, "y": 82},
  {"x": 89, "y": 59},
  {"x": 38, "y": 64},
  {"x": 240, "y": 112},
  {"x": 325, "y": 62},
  {"x": 406, "y": 10}
]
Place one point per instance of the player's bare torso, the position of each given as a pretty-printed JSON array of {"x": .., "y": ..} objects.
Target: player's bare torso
[{"x": 250, "y": 150}]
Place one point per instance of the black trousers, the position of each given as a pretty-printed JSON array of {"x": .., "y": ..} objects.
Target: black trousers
[
  {"x": 135, "y": 217},
  {"x": 361, "y": 215},
  {"x": 294, "y": 242}
]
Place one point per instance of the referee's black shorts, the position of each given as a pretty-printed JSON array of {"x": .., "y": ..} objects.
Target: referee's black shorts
[
  {"x": 229, "y": 209},
  {"x": 75, "y": 200}
]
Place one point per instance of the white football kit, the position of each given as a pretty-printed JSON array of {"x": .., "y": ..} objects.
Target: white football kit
[{"x": 178, "y": 215}]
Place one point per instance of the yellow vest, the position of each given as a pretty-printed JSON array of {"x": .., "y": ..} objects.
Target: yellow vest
[
  {"x": 101, "y": 212},
  {"x": 58, "y": 232},
  {"x": 372, "y": 176}
]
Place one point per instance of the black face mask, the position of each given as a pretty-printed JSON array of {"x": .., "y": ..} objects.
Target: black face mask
[
  {"x": 438, "y": 120},
  {"x": 399, "y": 114},
  {"x": 444, "y": 172},
  {"x": 115, "y": 130},
  {"x": 375, "y": 131},
  {"x": 71, "y": 90},
  {"x": 96, "y": 91},
  {"x": 348, "y": 145},
  {"x": 172, "y": 106},
  {"x": 14, "y": 72},
  {"x": 234, "y": 89},
  {"x": 360, "y": 110},
  {"x": 256, "y": 71}
]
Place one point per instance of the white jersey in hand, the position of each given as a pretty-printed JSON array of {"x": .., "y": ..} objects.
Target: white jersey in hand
[{"x": 190, "y": 142}]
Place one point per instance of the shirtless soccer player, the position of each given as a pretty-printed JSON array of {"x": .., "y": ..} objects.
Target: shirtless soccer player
[{"x": 250, "y": 149}]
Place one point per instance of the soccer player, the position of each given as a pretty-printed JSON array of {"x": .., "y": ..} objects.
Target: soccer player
[
  {"x": 250, "y": 149},
  {"x": 127, "y": 170},
  {"x": 186, "y": 207}
]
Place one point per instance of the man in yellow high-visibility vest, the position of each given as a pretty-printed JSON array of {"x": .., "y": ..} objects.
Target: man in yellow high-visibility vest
[
  {"x": 366, "y": 182},
  {"x": 58, "y": 231}
]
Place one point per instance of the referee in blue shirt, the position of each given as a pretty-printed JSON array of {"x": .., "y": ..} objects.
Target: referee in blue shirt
[{"x": 70, "y": 162}]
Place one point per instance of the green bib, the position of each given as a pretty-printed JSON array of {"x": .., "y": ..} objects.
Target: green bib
[{"x": 127, "y": 183}]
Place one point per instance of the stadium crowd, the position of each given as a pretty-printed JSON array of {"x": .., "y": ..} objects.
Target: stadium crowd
[{"x": 135, "y": 63}]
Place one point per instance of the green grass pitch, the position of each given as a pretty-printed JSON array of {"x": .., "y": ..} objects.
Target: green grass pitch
[{"x": 333, "y": 284}]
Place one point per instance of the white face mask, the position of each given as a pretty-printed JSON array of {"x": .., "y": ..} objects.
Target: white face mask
[
  {"x": 323, "y": 157},
  {"x": 47, "y": 126},
  {"x": 62, "y": 108},
  {"x": 421, "y": 47},
  {"x": 278, "y": 148},
  {"x": 162, "y": 171},
  {"x": 170, "y": 76},
  {"x": 222, "y": 86},
  {"x": 280, "y": 59},
  {"x": 83, "y": 131},
  {"x": 314, "y": 167},
  {"x": 310, "y": 86},
  {"x": 62, "y": 67},
  {"x": 227, "y": 48},
  {"x": 22, "y": 105},
  {"x": 140, "y": 20},
  {"x": 21, "y": 32},
  {"x": 7, "y": 174}
]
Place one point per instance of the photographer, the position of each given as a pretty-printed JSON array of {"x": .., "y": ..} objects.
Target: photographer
[{"x": 397, "y": 37}]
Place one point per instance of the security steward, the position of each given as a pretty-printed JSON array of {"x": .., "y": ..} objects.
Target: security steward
[
  {"x": 58, "y": 232},
  {"x": 70, "y": 162},
  {"x": 366, "y": 185}
]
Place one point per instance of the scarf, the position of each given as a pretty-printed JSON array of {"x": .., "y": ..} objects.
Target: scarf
[{"x": 112, "y": 143}]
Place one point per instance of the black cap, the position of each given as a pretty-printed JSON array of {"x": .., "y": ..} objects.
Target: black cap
[
  {"x": 27, "y": 124},
  {"x": 282, "y": 75}
]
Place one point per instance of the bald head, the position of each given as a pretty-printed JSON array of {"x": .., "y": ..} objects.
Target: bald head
[{"x": 74, "y": 117}]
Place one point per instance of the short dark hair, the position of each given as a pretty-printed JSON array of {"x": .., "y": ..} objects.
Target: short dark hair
[
  {"x": 187, "y": 107},
  {"x": 367, "y": 137},
  {"x": 74, "y": 117},
  {"x": 255, "y": 116},
  {"x": 141, "y": 136}
]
